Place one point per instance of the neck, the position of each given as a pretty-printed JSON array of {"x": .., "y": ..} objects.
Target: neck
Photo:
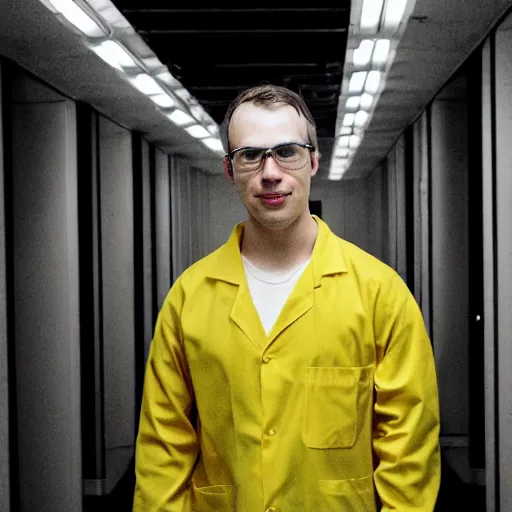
[{"x": 279, "y": 249}]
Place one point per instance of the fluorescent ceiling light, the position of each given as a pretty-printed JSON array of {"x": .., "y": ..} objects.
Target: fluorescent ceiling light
[
  {"x": 355, "y": 140},
  {"x": 346, "y": 130},
  {"x": 79, "y": 18},
  {"x": 335, "y": 177},
  {"x": 361, "y": 118},
  {"x": 394, "y": 13},
  {"x": 343, "y": 141},
  {"x": 180, "y": 118},
  {"x": 370, "y": 15},
  {"x": 348, "y": 120},
  {"x": 353, "y": 102},
  {"x": 381, "y": 52},
  {"x": 124, "y": 59},
  {"x": 341, "y": 153},
  {"x": 372, "y": 82},
  {"x": 214, "y": 144},
  {"x": 183, "y": 94},
  {"x": 197, "y": 111},
  {"x": 363, "y": 54},
  {"x": 147, "y": 85},
  {"x": 168, "y": 79},
  {"x": 102, "y": 52},
  {"x": 357, "y": 81},
  {"x": 198, "y": 131},
  {"x": 366, "y": 101},
  {"x": 213, "y": 129},
  {"x": 163, "y": 100}
]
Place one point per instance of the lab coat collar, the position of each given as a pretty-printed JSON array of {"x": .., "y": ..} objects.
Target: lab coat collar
[{"x": 327, "y": 257}]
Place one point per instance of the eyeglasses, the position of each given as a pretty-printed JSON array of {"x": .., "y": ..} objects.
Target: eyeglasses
[{"x": 290, "y": 156}]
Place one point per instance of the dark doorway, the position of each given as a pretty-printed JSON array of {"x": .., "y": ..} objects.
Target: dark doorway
[{"x": 315, "y": 208}]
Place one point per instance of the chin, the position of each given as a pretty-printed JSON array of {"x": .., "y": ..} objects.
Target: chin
[{"x": 274, "y": 220}]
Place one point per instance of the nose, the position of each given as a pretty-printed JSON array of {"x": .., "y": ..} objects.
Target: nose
[{"x": 270, "y": 171}]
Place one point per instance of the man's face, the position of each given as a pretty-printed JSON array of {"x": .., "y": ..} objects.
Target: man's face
[{"x": 275, "y": 197}]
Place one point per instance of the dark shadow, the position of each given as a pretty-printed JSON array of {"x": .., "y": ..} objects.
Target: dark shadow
[{"x": 455, "y": 494}]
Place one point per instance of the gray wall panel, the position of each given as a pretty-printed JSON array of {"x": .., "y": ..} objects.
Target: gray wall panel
[
  {"x": 117, "y": 252},
  {"x": 4, "y": 389},
  {"x": 449, "y": 258},
  {"x": 489, "y": 268},
  {"x": 376, "y": 213},
  {"x": 503, "y": 291},
  {"x": 163, "y": 226},
  {"x": 46, "y": 305},
  {"x": 147, "y": 248}
]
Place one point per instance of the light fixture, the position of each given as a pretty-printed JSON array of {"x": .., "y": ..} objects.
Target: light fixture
[
  {"x": 343, "y": 141},
  {"x": 381, "y": 52},
  {"x": 213, "y": 129},
  {"x": 363, "y": 55},
  {"x": 147, "y": 85},
  {"x": 198, "y": 131},
  {"x": 197, "y": 111},
  {"x": 348, "y": 120},
  {"x": 370, "y": 16},
  {"x": 394, "y": 13},
  {"x": 361, "y": 118},
  {"x": 163, "y": 100},
  {"x": 353, "y": 102},
  {"x": 366, "y": 101},
  {"x": 341, "y": 153},
  {"x": 180, "y": 118},
  {"x": 357, "y": 81},
  {"x": 79, "y": 18},
  {"x": 115, "y": 55},
  {"x": 120, "y": 54},
  {"x": 372, "y": 82},
  {"x": 104, "y": 54},
  {"x": 214, "y": 144},
  {"x": 183, "y": 94},
  {"x": 168, "y": 79},
  {"x": 355, "y": 141},
  {"x": 346, "y": 130}
]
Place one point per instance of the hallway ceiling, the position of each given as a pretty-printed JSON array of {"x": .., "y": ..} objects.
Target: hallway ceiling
[{"x": 217, "y": 51}]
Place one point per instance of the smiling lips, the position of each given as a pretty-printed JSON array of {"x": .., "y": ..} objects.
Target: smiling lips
[{"x": 273, "y": 199}]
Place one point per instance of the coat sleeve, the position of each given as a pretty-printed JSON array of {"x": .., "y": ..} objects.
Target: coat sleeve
[
  {"x": 167, "y": 443},
  {"x": 406, "y": 410}
]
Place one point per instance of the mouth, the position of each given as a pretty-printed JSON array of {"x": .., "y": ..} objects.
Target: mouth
[{"x": 273, "y": 195}]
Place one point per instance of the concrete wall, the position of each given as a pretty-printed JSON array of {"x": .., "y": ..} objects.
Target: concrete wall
[
  {"x": 117, "y": 262},
  {"x": 46, "y": 323},
  {"x": 4, "y": 384}
]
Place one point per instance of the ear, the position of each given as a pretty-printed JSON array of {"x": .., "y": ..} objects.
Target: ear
[
  {"x": 315, "y": 157},
  {"x": 228, "y": 169}
]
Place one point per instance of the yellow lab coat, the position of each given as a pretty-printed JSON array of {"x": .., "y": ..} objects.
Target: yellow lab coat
[{"x": 335, "y": 410}]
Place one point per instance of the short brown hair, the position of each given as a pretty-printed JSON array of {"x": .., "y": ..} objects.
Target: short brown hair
[{"x": 268, "y": 96}]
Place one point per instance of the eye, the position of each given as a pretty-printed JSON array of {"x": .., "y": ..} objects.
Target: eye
[
  {"x": 289, "y": 151},
  {"x": 250, "y": 155}
]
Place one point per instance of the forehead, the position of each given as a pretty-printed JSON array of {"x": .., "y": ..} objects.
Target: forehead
[{"x": 253, "y": 125}]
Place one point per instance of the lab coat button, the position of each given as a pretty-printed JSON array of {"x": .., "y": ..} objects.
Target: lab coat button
[
  {"x": 272, "y": 432},
  {"x": 271, "y": 509}
]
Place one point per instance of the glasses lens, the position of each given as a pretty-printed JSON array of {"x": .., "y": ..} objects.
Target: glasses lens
[
  {"x": 248, "y": 159},
  {"x": 291, "y": 156},
  {"x": 288, "y": 156}
]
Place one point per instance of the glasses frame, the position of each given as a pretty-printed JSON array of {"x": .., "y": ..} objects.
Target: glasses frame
[{"x": 267, "y": 152}]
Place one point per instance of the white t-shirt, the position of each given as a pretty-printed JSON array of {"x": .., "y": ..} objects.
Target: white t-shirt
[{"x": 270, "y": 290}]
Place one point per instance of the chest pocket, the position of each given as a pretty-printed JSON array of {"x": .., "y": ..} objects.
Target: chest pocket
[
  {"x": 213, "y": 498},
  {"x": 334, "y": 404}
]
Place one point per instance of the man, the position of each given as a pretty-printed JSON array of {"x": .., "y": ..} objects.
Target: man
[{"x": 290, "y": 370}]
